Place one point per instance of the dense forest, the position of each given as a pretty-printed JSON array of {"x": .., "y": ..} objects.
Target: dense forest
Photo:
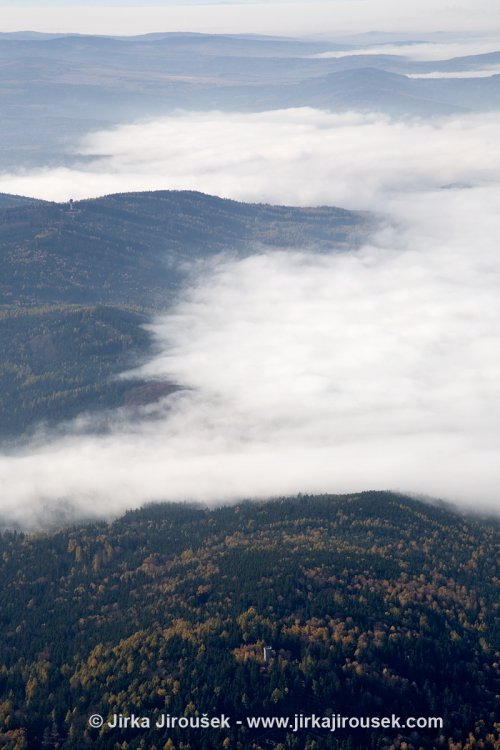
[
  {"x": 79, "y": 280},
  {"x": 369, "y": 605}
]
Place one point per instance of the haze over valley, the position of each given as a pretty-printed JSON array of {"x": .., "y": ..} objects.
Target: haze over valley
[
  {"x": 308, "y": 299},
  {"x": 249, "y": 375}
]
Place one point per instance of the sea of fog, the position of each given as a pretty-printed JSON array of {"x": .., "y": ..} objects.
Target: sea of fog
[{"x": 377, "y": 368}]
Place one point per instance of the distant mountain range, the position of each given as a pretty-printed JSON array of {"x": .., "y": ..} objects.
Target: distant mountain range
[
  {"x": 80, "y": 279},
  {"x": 56, "y": 88}
]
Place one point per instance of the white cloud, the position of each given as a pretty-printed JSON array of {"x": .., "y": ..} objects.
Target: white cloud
[
  {"x": 421, "y": 51},
  {"x": 478, "y": 73},
  {"x": 377, "y": 368},
  {"x": 298, "y": 156},
  {"x": 372, "y": 369}
]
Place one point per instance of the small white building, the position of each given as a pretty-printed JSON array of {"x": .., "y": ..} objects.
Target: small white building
[{"x": 268, "y": 653}]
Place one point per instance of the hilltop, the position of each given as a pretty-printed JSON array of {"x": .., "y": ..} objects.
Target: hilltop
[
  {"x": 79, "y": 281},
  {"x": 371, "y": 604}
]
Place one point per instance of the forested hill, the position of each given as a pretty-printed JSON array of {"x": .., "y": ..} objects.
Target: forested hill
[
  {"x": 372, "y": 604},
  {"x": 130, "y": 248},
  {"x": 78, "y": 281},
  {"x": 15, "y": 201}
]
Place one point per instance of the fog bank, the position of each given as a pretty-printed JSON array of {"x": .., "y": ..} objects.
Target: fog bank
[
  {"x": 372, "y": 369},
  {"x": 299, "y": 156}
]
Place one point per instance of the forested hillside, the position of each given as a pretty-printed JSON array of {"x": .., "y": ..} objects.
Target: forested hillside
[
  {"x": 371, "y": 604},
  {"x": 131, "y": 247},
  {"x": 79, "y": 280}
]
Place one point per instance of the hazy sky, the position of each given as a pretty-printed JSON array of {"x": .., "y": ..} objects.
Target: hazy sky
[{"x": 328, "y": 17}]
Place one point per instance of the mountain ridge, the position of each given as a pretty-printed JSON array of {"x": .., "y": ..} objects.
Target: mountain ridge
[
  {"x": 81, "y": 279},
  {"x": 77, "y": 84}
]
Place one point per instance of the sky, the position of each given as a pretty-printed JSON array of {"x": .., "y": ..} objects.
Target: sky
[{"x": 326, "y": 18}]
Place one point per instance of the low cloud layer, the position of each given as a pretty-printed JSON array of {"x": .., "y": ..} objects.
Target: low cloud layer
[
  {"x": 373, "y": 369},
  {"x": 477, "y": 73},
  {"x": 298, "y": 156},
  {"x": 422, "y": 51}
]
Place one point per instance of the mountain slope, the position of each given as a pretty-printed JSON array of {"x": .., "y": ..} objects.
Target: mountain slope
[
  {"x": 79, "y": 280},
  {"x": 131, "y": 247},
  {"x": 15, "y": 201},
  {"x": 372, "y": 604}
]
